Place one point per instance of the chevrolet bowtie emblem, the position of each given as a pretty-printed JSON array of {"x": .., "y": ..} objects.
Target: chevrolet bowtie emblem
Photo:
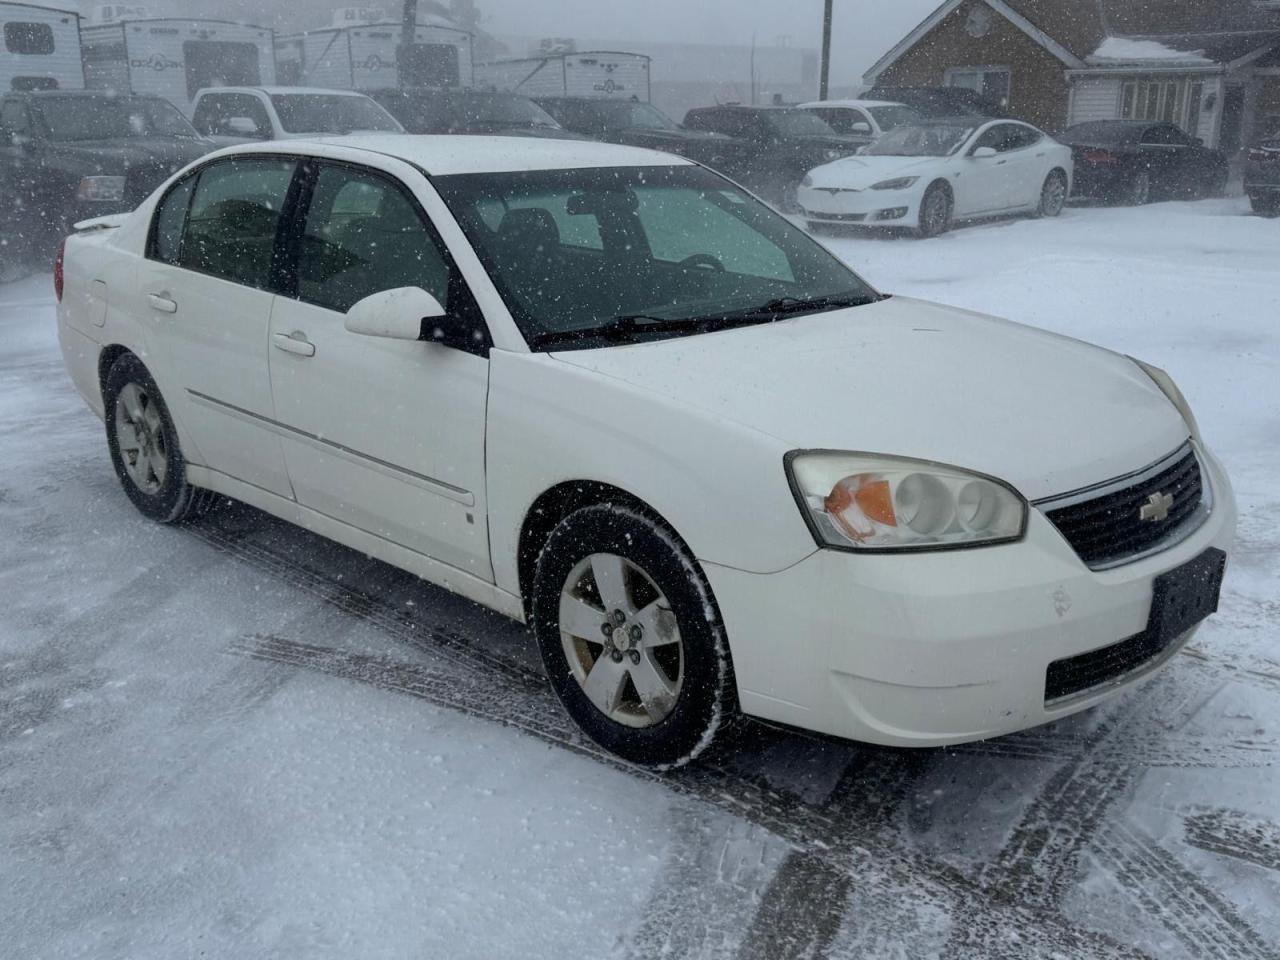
[{"x": 1157, "y": 508}]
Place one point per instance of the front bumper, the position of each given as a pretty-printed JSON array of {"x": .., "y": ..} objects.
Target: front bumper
[
  {"x": 867, "y": 208},
  {"x": 940, "y": 648}
]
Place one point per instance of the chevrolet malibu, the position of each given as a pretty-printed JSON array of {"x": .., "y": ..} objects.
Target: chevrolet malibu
[{"x": 608, "y": 393}]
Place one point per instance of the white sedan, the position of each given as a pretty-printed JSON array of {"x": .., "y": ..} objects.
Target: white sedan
[
  {"x": 606, "y": 392},
  {"x": 931, "y": 174}
]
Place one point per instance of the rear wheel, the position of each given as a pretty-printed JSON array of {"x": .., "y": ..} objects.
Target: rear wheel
[
  {"x": 1053, "y": 195},
  {"x": 935, "y": 211},
  {"x": 630, "y": 637},
  {"x": 1138, "y": 190},
  {"x": 144, "y": 445}
]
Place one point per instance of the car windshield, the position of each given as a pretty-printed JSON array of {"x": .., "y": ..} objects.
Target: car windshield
[
  {"x": 890, "y": 118},
  {"x": 110, "y": 118},
  {"x": 572, "y": 251},
  {"x": 929, "y": 140},
  {"x": 797, "y": 123},
  {"x": 325, "y": 113}
]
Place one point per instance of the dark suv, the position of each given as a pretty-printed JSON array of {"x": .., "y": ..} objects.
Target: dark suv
[
  {"x": 1262, "y": 177},
  {"x": 74, "y": 155},
  {"x": 779, "y": 145},
  {"x": 455, "y": 111},
  {"x": 641, "y": 125}
]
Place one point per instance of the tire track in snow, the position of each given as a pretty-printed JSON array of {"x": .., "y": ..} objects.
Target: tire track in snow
[
  {"x": 1235, "y": 835},
  {"x": 862, "y": 857}
]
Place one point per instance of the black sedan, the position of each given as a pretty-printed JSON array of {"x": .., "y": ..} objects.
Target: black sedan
[
  {"x": 74, "y": 155},
  {"x": 1137, "y": 161},
  {"x": 778, "y": 145},
  {"x": 457, "y": 111},
  {"x": 641, "y": 125},
  {"x": 1262, "y": 177}
]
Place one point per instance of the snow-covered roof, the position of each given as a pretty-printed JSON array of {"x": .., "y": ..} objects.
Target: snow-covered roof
[
  {"x": 1127, "y": 50},
  {"x": 851, "y": 103},
  {"x": 447, "y": 155}
]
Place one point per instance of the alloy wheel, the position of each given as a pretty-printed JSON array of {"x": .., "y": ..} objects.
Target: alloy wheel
[
  {"x": 1054, "y": 196},
  {"x": 141, "y": 439},
  {"x": 621, "y": 640}
]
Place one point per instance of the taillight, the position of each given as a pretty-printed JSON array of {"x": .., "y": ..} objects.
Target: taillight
[
  {"x": 58, "y": 271},
  {"x": 1100, "y": 158}
]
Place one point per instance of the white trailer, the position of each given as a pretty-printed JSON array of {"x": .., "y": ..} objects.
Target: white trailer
[
  {"x": 590, "y": 73},
  {"x": 366, "y": 57},
  {"x": 41, "y": 48},
  {"x": 176, "y": 58}
]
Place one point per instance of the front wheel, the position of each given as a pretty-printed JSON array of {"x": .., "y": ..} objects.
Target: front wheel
[
  {"x": 144, "y": 445},
  {"x": 1053, "y": 195},
  {"x": 630, "y": 637},
  {"x": 935, "y": 211}
]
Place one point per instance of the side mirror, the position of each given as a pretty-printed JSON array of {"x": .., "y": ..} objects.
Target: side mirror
[
  {"x": 985, "y": 153},
  {"x": 405, "y": 313},
  {"x": 861, "y": 129},
  {"x": 243, "y": 127}
]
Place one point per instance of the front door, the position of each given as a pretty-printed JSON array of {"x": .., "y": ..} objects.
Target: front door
[
  {"x": 988, "y": 184},
  {"x": 206, "y": 286},
  {"x": 385, "y": 435}
]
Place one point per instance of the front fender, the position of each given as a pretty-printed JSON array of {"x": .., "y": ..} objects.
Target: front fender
[{"x": 721, "y": 485}]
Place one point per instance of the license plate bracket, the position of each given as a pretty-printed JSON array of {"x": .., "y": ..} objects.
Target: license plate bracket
[{"x": 1186, "y": 596}]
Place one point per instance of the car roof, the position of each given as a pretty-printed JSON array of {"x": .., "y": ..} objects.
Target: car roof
[
  {"x": 851, "y": 103},
  {"x": 81, "y": 95},
  {"x": 444, "y": 155},
  {"x": 274, "y": 91}
]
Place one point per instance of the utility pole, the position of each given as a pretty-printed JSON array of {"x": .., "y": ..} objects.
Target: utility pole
[
  {"x": 408, "y": 38},
  {"x": 824, "y": 82}
]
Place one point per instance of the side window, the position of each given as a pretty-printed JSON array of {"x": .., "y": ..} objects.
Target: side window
[
  {"x": 31, "y": 39},
  {"x": 235, "y": 217},
  {"x": 1000, "y": 138},
  {"x": 170, "y": 215},
  {"x": 363, "y": 235},
  {"x": 1022, "y": 137},
  {"x": 678, "y": 223},
  {"x": 232, "y": 115}
]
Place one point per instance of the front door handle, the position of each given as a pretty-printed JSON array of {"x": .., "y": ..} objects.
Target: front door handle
[
  {"x": 296, "y": 344},
  {"x": 163, "y": 304}
]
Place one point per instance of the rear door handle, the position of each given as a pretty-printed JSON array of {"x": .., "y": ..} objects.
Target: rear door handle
[
  {"x": 296, "y": 344},
  {"x": 163, "y": 304}
]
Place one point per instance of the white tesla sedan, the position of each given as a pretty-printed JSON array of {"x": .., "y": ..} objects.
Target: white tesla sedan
[
  {"x": 605, "y": 391},
  {"x": 929, "y": 175}
]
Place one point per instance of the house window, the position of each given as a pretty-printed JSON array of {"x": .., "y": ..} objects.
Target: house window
[
  {"x": 1168, "y": 101},
  {"x": 992, "y": 83},
  {"x": 33, "y": 39}
]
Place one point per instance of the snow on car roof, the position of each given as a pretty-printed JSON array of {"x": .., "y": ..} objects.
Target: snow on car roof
[
  {"x": 851, "y": 103},
  {"x": 446, "y": 155},
  {"x": 281, "y": 91}
]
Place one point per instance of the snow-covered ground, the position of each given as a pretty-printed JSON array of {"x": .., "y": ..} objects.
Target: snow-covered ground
[{"x": 235, "y": 740}]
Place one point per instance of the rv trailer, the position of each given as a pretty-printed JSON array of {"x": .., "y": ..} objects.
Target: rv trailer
[
  {"x": 367, "y": 57},
  {"x": 41, "y": 49},
  {"x": 594, "y": 73},
  {"x": 176, "y": 58}
]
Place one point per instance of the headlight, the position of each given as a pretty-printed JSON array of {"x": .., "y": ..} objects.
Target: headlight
[
  {"x": 862, "y": 502},
  {"x": 900, "y": 184},
  {"x": 101, "y": 188},
  {"x": 832, "y": 154},
  {"x": 1170, "y": 390},
  {"x": 807, "y": 181}
]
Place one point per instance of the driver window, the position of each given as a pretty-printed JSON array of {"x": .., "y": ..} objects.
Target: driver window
[
  {"x": 997, "y": 137},
  {"x": 363, "y": 235},
  {"x": 232, "y": 115}
]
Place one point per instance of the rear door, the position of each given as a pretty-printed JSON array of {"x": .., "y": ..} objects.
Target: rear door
[
  {"x": 207, "y": 287},
  {"x": 384, "y": 435}
]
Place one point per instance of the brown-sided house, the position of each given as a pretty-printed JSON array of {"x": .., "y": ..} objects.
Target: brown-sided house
[{"x": 1212, "y": 66}]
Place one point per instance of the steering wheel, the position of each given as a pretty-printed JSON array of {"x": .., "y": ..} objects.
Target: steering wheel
[{"x": 704, "y": 260}]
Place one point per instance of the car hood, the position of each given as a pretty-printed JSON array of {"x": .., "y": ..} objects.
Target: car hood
[
  {"x": 115, "y": 157},
  {"x": 863, "y": 171},
  {"x": 907, "y": 378}
]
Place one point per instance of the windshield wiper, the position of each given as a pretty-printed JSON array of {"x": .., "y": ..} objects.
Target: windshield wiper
[
  {"x": 624, "y": 329},
  {"x": 790, "y": 306}
]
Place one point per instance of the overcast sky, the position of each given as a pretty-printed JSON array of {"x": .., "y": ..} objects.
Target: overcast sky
[{"x": 864, "y": 29}]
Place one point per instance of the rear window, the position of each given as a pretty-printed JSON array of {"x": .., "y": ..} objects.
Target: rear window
[{"x": 31, "y": 39}]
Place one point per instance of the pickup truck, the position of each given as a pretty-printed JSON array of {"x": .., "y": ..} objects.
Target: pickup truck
[{"x": 233, "y": 115}]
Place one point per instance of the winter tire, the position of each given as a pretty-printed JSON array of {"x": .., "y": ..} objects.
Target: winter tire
[
  {"x": 1053, "y": 195},
  {"x": 935, "y": 211},
  {"x": 144, "y": 445},
  {"x": 631, "y": 637}
]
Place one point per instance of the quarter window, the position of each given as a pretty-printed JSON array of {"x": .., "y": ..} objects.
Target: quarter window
[
  {"x": 171, "y": 214},
  {"x": 235, "y": 218},
  {"x": 31, "y": 39},
  {"x": 363, "y": 235}
]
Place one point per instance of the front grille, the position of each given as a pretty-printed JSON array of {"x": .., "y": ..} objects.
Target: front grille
[
  {"x": 1077, "y": 674},
  {"x": 1108, "y": 527}
]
